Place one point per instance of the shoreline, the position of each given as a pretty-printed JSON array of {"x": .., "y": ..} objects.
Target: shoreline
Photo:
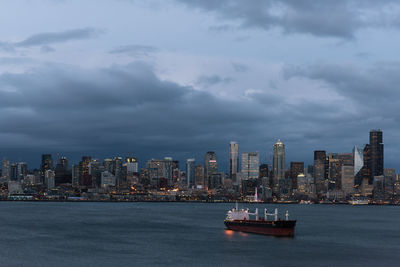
[{"x": 194, "y": 201}]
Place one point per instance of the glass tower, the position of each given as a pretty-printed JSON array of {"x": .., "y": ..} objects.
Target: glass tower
[
  {"x": 233, "y": 159},
  {"x": 279, "y": 162},
  {"x": 376, "y": 152},
  {"x": 190, "y": 165},
  {"x": 250, "y": 165}
]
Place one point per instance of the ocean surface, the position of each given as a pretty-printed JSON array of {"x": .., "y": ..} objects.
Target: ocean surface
[{"x": 192, "y": 234}]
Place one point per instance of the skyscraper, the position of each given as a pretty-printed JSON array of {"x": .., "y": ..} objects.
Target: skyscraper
[
  {"x": 14, "y": 172},
  {"x": 358, "y": 159},
  {"x": 250, "y": 165},
  {"x": 347, "y": 179},
  {"x": 296, "y": 168},
  {"x": 320, "y": 171},
  {"x": 210, "y": 166},
  {"x": 334, "y": 171},
  {"x": 22, "y": 170},
  {"x": 62, "y": 173},
  {"x": 85, "y": 178},
  {"x": 376, "y": 145},
  {"x": 199, "y": 176},
  {"x": 156, "y": 170},
  {"x": 278, "y": 163},
  {"x": 5, "y": 171},
  {"x": 233, "y": 159},
  {"x": 75, "y": 174},
  {"x": 366, "y": 169},
  {"x": 190, "y": 165},
  {"x": 168, "y": 169},
  {"x": 47, "y": 163},
  {"x": 132, "y": 165},
  {"x": 263, "y": 171}
]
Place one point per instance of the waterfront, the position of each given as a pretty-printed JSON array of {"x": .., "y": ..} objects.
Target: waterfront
[{"x": 192, "y": 234}]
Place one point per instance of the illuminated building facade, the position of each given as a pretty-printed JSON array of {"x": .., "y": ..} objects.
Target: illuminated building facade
[
  {"x": 210, "y": 166},
  {"x": 250, "y": 165},
  {"x": 278, "y": 164},
  {"x": 233, "y": 159}
]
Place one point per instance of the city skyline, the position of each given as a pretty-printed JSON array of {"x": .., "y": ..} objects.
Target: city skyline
[
  {"x": 149, "y": 133},
  {"x": 129, "y": 83},
  {"x": 223, "y": 163},
  {"x": 332, "y": 177},
  {"x": 223, "y": 159}
]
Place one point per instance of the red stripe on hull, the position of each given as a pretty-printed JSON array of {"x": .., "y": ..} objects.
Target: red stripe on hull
[{"x": 274, "y": 231}]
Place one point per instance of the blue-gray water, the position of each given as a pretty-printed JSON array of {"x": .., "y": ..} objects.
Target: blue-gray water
[{"x": 192, "y": 234}]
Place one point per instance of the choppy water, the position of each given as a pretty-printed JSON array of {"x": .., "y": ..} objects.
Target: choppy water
[{"x": 192, "y": 234}]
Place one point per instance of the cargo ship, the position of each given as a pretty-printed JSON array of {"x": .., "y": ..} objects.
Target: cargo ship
[{"x": 239, "y": 220}]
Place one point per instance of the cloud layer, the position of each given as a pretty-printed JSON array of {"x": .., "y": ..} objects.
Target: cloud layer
[
  {"x": 47, "y": 38},
  {"x": 341, "y": 18},
  {"x": 127, "y": 109},
  {"x": 316, "y": 75}
]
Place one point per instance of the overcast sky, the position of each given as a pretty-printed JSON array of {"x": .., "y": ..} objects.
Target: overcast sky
[{"x": 179, "y": 78}]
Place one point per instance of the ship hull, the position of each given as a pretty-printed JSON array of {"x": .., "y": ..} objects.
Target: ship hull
[{"x": 274, "y": 228}]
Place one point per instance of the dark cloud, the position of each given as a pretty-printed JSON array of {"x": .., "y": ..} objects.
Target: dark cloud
[
  {"x": 135, "y": 50},
  {"x": 123, "y": 109},
  {"x": 128, "y": 110},
  {"x": 373, "y": 85},
  {"x": 59, "y": 37},
  {"x": 341, "y": 18},
  {"x": 212, "y": 80},
  {"x": 370, "y": 93}
]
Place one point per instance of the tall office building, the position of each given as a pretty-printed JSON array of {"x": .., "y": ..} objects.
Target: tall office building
[
  {"x": 168, "y": 169},
  {"x": 250, "y": 165},
  {"x": 263, "y": 171},
  {"x": 95, "y": 170},
  {"x": 296, "y": 168},
  {"x": 376, "y": 158},
  {"x": 190, "y": 166},
  {"x": 49, "y": 179},
  {"x": 278, "y": 163},
  {"x": 210, "y": 166},
  {"x": 132, "y": 165},
  {"x": 320, "y": 171},
  {"x": 199, "y": 176},
  {"x": 155, "y": 169},
  {"x": 5, "y": 171},
  {"x": 62, "y": 173},
  {"x": 233, "y": 159},
  {"x": 334, "y": 171},
  {"x": 47, "y": 163},
  {"x": 108, "y": 165},
  {"x": 22, "y": 170},
  {"x": 358, "y": 156},
  {"x": 85, "y": 178},
  {"x": 75, "y": 174},
  {"x": 118, "y": 171},
  {"x": 14, "y": 172},
  {"x": 366, "y": 169},
  {"x": 347, "y": 180}
]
